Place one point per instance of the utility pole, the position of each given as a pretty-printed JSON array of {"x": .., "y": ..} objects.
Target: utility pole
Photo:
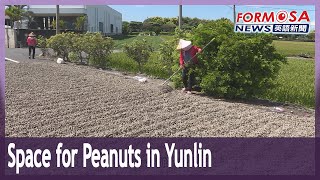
[
  {"x": 180, "y": 16},
  {"x": 234, "y": 14},
  {"x": 57, "y": 20}
]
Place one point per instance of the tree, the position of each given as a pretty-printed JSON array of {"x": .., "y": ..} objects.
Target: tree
[
  {"x": 31, "y": 23},
  {"x": 152, "y": 27},
  {"x": 18, "y": 12},
  {"x": 136, "y": 26},
  {"x": 155, "y": 20},
  {"x": 235, "y": 65},
  {"x": 62, "y": 24},
  {"x": 311, "y": 36},
  {"x": 98, "y": 49},
  {"x": 156, "y": 28},
  {"x": 18, "y": 6},
  {"x": 126, "y": 28},
  {"x": 167, "y": 23},
  {"x": 147, "y": 26},
  {"x": 168, "y": 27},
  {"x": 15, "y": 13},
  {"x": 80, "y": 23},
  {"x": 174, "y": 20}
]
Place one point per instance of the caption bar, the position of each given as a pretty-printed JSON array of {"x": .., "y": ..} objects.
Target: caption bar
[{"x": 196, "y": 157}]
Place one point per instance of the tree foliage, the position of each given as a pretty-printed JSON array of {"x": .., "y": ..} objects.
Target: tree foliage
[
  {"x": 98, "y": 49},
  {"x": 126, "y": 28},
  {"x": 139, "y": 51},
  {"x": 18, "y": 12},
  {"x": 235, "y": 64},
  {"x": 135, "y": 26},
  {"x": 160, "y": 24},
  {"x": 71, "y": 46},
  {"x": 80, "y": 23},
  {"x": 42, "y": 44},
  {"x": 312, "y": 35},
  {"x": 15, "y": 13},
  {"x": 62, "y": 24},
  {"x": 61, "y": 44}
]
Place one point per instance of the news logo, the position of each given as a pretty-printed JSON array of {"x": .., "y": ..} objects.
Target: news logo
[{"x": 281, "y": 22}]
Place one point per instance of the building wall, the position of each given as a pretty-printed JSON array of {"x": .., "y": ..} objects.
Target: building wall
[
  {"x": 103, "y": 18},
  {"x": 10, "y": 38},
  {"x": 40, "y": 10}
]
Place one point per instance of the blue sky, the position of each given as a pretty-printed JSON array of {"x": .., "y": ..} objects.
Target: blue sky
[{"x": 141, "y": 12}]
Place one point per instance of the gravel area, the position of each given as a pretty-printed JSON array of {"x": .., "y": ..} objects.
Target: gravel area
[{"x": 45, "y": 99}]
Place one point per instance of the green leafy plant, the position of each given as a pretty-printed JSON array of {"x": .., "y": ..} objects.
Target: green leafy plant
[
  {"x": 62, "y": 44},
  {"x": 235, "y": 65},
  {"x": 73, "y": 57},
  {"x": 232, "y": 65},
  {"x": 79, "y": 45},
  {"x": 98, "y": 49},
  {"x": 42, "y": 44},
  {"x": 168, "y": 55},
  {"x": 94, "y": 45},
  {"x": 312, "y": 35},
  {"x": 15, "y": 13},
  {"x": 120, "y": 61},
  {"x": 62, "y": 24},
  {"x": 139, "y": 51},
  {"x": 80, "y": 23}
]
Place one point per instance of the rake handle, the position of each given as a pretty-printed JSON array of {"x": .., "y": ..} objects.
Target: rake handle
[{"x": 170, "y": 76}]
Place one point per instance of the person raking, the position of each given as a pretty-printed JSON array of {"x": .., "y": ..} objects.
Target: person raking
[{"x": 188, "y": 61}]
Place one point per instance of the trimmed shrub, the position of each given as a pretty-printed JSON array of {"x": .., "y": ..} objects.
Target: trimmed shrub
[
  {"x": 139, "y": 51},
  {"x": 78, "y": 46},
  {"x": 98, "y": 49},
  {"x": 62, "y": 44},
  {"x": 42, "y": 44},
  {"x": 235, "y": 65},
  {"x": 73, "y": 57},
  {"x": 72, "y": 46}
]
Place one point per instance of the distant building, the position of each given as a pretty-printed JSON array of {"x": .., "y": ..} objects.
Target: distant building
[
  {"x": 100, "y": 18},
  {"x": 7, "y": 21}
]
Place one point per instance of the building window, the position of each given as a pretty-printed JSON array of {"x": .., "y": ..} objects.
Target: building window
[
  {"x": 111, "y": 28},
  {"x": 101, "y": 27}
]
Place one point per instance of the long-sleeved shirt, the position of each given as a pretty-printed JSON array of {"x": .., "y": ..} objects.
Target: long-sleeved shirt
[
  {"x": 32, "y": 41},
  {"x": 185, "y": 56}
]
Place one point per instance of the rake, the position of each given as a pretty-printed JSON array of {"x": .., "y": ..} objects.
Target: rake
[{"x": 166, "y": 81}]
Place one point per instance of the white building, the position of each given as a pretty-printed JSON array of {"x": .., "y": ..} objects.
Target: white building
[{"x": 100, "y": 18}]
